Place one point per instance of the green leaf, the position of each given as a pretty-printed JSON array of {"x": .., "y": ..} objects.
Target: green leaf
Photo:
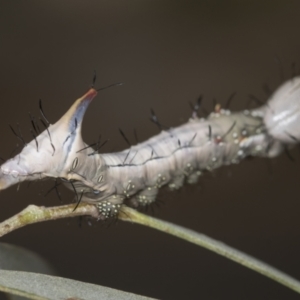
[
  {"x": 42, "y": 287},
  {"x": 20, "y": 259}
]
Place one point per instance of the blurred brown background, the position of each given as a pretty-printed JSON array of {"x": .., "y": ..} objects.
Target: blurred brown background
[{"x": 167, "y": 53}]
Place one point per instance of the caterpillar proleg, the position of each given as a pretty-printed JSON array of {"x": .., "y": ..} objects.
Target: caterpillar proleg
[{"x": 176, "y": 155}]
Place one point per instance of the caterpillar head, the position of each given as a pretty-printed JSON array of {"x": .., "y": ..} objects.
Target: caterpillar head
[{"x": 53, "y": 152}]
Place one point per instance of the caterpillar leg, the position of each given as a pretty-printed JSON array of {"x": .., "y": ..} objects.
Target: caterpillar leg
[
  {"x": 177, "y": 182},
  {"x": 109, "y": 207},
  {"x": 145, "y": 197},
  {"x": 193, "y": 177}
]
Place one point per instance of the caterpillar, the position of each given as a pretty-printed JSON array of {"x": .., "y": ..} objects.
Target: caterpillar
[{"x": 171, "y": 158}]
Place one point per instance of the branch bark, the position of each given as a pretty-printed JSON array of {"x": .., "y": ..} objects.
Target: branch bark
[{"x": 34, "y": 214}]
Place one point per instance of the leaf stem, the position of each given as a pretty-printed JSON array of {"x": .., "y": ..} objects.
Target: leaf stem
[{"x": 220, "y": 248}]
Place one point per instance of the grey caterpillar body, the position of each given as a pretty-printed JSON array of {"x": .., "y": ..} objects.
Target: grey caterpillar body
[{"x": 134, "y": 176}]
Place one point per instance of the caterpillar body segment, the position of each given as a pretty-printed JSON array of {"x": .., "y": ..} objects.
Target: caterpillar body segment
[{"x": 171, "y": 158}]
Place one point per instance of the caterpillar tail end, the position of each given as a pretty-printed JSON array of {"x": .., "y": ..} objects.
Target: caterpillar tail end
[
  {"x": 51, "y": 149},
  {"x": 78, "y": 109}
]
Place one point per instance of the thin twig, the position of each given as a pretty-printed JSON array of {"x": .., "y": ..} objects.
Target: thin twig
[
  {"x": 34, "y": 214},
  {"x": 204, "y": 241}
]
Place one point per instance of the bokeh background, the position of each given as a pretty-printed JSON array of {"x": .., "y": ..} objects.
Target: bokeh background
[{"x": 167, "y": 53}]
